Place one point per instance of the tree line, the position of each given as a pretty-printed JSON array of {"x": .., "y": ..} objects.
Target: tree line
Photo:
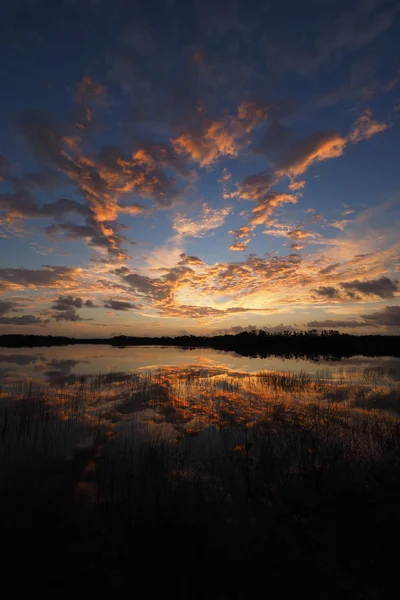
[{"x": 255, "y": 343}]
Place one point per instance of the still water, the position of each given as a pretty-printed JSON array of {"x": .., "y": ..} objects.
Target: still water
[
  {"x": 170, "y": 393},
  {"x": 58, "y": 365}
]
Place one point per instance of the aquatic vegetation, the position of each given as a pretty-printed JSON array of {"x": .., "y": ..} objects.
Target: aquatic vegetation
[{"x": 197, "y": 465}]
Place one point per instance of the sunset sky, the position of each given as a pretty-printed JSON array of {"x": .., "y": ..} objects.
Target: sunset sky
[{"x": 199, "y": 166}]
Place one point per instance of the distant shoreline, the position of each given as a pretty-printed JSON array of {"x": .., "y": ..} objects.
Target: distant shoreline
[{"x": 252, "y": 344}]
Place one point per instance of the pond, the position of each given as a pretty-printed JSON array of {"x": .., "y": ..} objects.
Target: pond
[{"x": 60, "y": 365}]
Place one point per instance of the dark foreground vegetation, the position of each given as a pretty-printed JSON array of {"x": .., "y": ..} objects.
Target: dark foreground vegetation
[
  {"x": 249, "y": 343},
  {"x": 302, "y": 499}
]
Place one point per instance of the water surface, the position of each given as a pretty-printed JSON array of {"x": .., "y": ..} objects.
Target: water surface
[{"x": 58, "y": 365}]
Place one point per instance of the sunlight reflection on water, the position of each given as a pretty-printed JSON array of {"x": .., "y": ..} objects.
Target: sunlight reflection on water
[{"x": 58, "y": 365}]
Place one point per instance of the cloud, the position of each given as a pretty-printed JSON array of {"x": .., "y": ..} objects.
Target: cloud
[
  {"x": 65, "y": 308},
  {"x": 334, "y": 324},
  {"x": 356, "y": 290},
  {"x": 224, "y": 136},
  {"x": 208, "y": 220},
  {"x": 342, "y": 31},
  {"x": 324, "y": 145},
  {"x": 200, "y": 312},
  {"x": 276, "y": 136},
  {"x": 383, "y": 287},
  {"x": 51, "y": 276},
  {"x": 339, "y": 224},
  {"x": 21, "y": 205},
  {"x": 328, "y": 292},
  {"x": 386, "y": 317},
  {"x": 24, "y": 320},
  {"x": 365, "y": 127},
  {"x": 90, "y": 304},
  {"x": 240, "y": 246},
  {"x": 254, "y": 187},
  {"x": 190, "y": 260},
  {"x": 66, "y": 302},
  {"x": 267, "y": 203},
  {"x": 67, "y": 315},
  {"x": 299, "y": 234},
  {"x": 315, "y": 148},
  {"x": 102, "y": 179},
  {"x": 295, "y": 186},
  {"x": 119, "y": 305},
  {"x": 293, "y": 160},
  {"x": 5, "y": 306},
  {"x": 88, "y": 90},
  {"x": 4, "y": 166},
  {"x": 91, "y": 234},
  {"x": 88, "y": 95}
]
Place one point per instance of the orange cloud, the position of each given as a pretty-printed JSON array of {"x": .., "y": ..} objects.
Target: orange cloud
[
  {"x": 299, "y": 234},
  {"x": 296, "y": 185},
  {"x": 209, "y": 219},
  {"x": 88, "y": 89},
  {"x": 316, "y": 148},
  {"x": 103, "y": 179},
  {"x": 240, "y": 246},
  {"x": 260, "y": 215},
  {"x": 225, "y": 136},
  {"x": 365, "y": 127}
]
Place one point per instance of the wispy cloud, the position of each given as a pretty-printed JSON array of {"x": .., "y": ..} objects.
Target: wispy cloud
[{"x": 208, "y": 220}]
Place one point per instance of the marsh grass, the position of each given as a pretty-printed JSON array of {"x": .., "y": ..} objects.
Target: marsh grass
[{"x": 208, "y": 483}]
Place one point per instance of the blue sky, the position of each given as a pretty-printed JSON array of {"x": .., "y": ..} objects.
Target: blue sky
[{"x": 199, "y": 167}]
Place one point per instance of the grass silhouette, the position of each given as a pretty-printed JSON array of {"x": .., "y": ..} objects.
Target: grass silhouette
[{"x": 203, "y": 483}]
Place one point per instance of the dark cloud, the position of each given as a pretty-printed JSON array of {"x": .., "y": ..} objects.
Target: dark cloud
[
  {"x": 357, "y": 290},
  {"x": 89, "y": 231},
  {"x": 67, "y": 302},
  {"x": 387, "y": 317},
  {"x": 5, "y": 306},
  {"x": 361, "y": 83},
  {"x": 335, "y": 324},
  {"x": 146, "y": 286},
  {"x": 328, "y": 292},
  {"x": 90, "y": 304},
  {"x": 102, "y": 179},
  {"x": 46, "y": 179},
  {"x": 45, "y": 139},
  {"x": 316, "y": 147},
  {"x": 22, "y": 205},
  {"x": 383, "y": 287},
  {"x": 190, "y": 260},
  {"x": 255, "y": 187},
  {"x": 69, "y": 314},
  {"x": 276, "y": 136},
  {"x": 329, "y": 269},
  {"x": 4, "y": 165},
  {"x": 49, "y": 276},
  {"x": 65, "y": 308},
  {"x": 339, "y": 31},
  {"x": 119, "y": 305},
  {"x": 24, "y": 320}
]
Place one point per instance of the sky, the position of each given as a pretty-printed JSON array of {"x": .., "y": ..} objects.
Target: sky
[{"x": 199, "y": 167}]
